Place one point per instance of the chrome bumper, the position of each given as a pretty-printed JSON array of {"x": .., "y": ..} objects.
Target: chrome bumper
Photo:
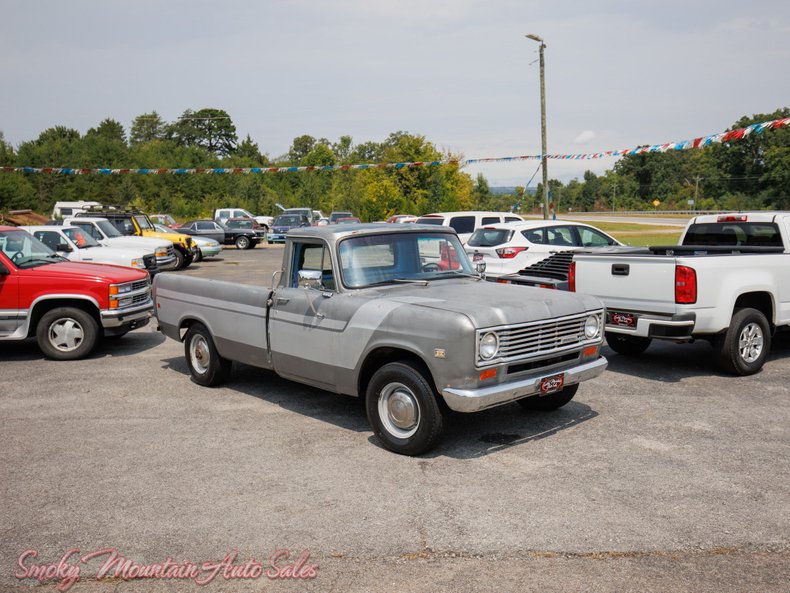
[
  {"x": 473, "y": 400},
  {"x": 136, "y": 316},
  {"x": 166, "y": 263}
]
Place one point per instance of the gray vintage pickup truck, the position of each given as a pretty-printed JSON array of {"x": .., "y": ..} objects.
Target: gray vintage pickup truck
[{"x": 396, "y": 315}]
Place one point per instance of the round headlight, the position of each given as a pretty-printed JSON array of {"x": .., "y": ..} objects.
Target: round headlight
[
  {"x": 489, "y": 346},
  {"x": 592, "y": 327}
]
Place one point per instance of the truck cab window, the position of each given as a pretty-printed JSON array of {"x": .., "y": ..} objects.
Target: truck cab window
[{"x": 313, "y": 257}]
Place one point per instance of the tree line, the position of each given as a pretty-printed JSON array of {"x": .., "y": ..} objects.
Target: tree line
[{"x": 750, "y": 173}]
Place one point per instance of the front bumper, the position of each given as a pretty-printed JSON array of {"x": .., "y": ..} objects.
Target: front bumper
[
  {"x": 276, "y": 237},
  {"x": 166, "y": 262},
  {"x": 473, "y": 400},
  {"x": 128, "y": 317}
]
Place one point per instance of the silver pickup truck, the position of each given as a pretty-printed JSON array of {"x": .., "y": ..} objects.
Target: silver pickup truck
[{"x": 396, "y": 315}]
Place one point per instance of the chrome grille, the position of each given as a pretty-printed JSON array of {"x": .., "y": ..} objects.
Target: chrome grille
[
  {"x": 139, "y": 285},
  {"x": 540, "y": 338},
  {"x": 140, "y": 298}
]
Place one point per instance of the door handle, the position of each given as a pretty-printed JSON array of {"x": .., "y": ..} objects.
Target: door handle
[
  {"x": 620, "y": 269},
  {"x": 282, "y": 301}
]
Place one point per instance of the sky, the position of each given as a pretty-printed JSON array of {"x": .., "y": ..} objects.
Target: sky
[{"x": 619, "y": 73}]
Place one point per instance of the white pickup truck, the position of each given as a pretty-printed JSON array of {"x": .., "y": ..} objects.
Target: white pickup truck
[
  {"x": 728, "y": 282},
  {"x": 75, "y": 244}
]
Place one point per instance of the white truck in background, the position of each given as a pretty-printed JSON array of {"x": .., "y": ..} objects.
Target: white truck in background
[
  {"x": 106, "y": 234},
  {"x": 728, "y": 282},
  {"x": 223, "y": 214}
]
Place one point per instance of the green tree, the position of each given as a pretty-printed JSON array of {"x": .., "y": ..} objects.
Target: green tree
[
  {"x": 208, "y": 128},
  {"x": 147, "y": 127}
]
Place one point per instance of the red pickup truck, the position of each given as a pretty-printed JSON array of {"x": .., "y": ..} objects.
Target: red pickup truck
[{"x": 66, "y": 305}]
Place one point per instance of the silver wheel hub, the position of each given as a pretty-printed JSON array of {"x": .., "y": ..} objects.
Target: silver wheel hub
[
  {"x": 199, "y": 353},
  {"x": 750, "y": 342},
  {"x": 398, "y": 410},
  {"x": 66, "y": 334}
]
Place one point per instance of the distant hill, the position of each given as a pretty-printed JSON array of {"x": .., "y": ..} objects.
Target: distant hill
[{"x": 509, "y": 190}]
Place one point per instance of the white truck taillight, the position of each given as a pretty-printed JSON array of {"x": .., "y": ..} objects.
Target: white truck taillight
[{"x": 685, "y": 285}]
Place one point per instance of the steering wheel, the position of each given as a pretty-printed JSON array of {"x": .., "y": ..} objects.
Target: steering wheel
[
  {"x": 430, "y": 268},
  {"x": 17, "y": 256}
]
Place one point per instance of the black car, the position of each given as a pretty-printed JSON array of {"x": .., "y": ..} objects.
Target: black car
[{"x": 242, "y": 238}]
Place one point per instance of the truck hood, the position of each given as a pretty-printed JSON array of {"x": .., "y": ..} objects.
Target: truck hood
[
  {"x": 489, "y": 304},
  {"x": 172, "y": 237},
  {"x": 81, "y": 271},
  {"x": 147, "y": 244},
  {"x": 116, "y": 253}
]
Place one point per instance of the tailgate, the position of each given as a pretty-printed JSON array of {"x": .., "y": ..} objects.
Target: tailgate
[{"x": 628, "y": 283}]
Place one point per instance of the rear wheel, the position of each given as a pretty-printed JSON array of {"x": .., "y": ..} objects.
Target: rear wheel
[
  {"x": 745, "y": 346},
  {"x": 243, "y": 242},
  {"x": 402, "y": 409},
  {"x": 205, "y": 364},
  {"x": 627, "y": 345},
  {"x": 67, "y": 333},
  {"x": 552, "y": 401}
]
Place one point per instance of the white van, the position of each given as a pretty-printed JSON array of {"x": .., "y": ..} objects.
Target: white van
[
  {"x": 64, "y": 209},
  {"x": 465, "y": 223}
]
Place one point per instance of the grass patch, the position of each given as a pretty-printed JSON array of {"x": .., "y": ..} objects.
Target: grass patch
[
  {"x": 645, "y": 239},
  {"x": 613, "y": 227}
]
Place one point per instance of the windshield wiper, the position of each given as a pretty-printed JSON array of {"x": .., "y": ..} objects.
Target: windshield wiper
[
  {"x": 397, "y": 281},
  {"x": 454, "y": 273}
]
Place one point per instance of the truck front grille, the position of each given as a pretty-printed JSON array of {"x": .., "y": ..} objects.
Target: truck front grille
[{"x": 540, "y": 338}]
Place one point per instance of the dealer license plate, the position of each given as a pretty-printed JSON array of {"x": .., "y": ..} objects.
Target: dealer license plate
[
  {"x": 622, "y": 319},
  {"x": 552, "y": 384}
]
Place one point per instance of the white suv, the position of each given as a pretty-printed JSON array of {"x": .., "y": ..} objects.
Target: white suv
[{"x": 465, "y": 223}]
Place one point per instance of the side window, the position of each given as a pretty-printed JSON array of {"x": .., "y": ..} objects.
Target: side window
[
  {"x": 512, "y": 219},
  {"x": 238, "y": 214},
  {"x": 313, "y": 257},
  {"x": 49, "y": 238},
  {"x": 490, "y": 220},
  {"x": 463, "y": 224},
  {"x": 560, "y": 235},
  {"x": 536, "y": 236},
  {"x": 592, "y": 238},
  {"x": 203, "y": 226}
]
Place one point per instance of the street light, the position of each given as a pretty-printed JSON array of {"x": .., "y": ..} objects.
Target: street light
[{"x": 543, "y": 149}]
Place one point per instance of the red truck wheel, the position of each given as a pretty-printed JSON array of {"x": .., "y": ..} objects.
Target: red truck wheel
[{"x": 67, "y": 333}]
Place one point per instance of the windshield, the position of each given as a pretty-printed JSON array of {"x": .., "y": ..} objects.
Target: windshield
[
  {"x": 108, "y": 229},
  {"x": 25, "y": 251},
  {"x": 240, "y": 224},
  {"x": 164, "y": 229},
  {"x": 398, "y": 257},
  {"x": 144, "y": 223},
  {"x": 287, "y": 221},
  {"x": 430, "y": 220},
  {"x": 80, "y": 238}
]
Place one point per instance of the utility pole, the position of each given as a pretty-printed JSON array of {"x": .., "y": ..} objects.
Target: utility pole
[
  {"x": 697, "y": 179},
  {"x": 614, "y": 197},
  {"x": 543, "y": 148}
]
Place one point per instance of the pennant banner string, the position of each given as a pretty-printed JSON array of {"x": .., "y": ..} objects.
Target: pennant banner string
[{"x": 701, "y": 142}]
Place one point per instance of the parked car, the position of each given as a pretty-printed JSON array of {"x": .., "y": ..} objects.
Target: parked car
[
  {"x": 105, "y": 233},
  {"x": 211, "y": 229},
  {"x": 465, "y": 223},
  {"x": 66, "y": 306},
  {"x": 205, "y": 247},
  {"x": 348, "y": 220},
  {"x": 247, "y": 224},
  {"x": 64, "y": 209},
  {"x": 360, "y": 310},
  {"x": 334, "y": 216},
  {"x": 76, "y": 244},
  {"x": 284, "y": 223},
  {"x": 727, "y": 282},
  {"x": 164, "y": 220},
  {"x": 510, "y": 247},
  {"x": 223, "y": 214},
  {"x": 134, "y": 223},
  {"x": 402, "y": 218}
]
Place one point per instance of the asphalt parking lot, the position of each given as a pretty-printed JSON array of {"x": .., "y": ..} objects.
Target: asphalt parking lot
[{"x": 661, "y": 475}]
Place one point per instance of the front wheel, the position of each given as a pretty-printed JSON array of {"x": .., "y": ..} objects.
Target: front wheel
[
  {"x": 242, "y": 242},
  {"x": 627, "y": 345},
  {"x": 745, "y": 346},
  {"x": 552, "y": 401},
  {"x": 198, "y": 256},
  {"x": 205, "y": 364},
  {"x": 402, "y": 409},
  {"x": 67, "y": 333},
  {"x": 179, "y": 260}
]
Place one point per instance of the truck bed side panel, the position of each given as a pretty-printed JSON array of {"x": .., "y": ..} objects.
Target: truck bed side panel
[{"x": 235, "y": 314}]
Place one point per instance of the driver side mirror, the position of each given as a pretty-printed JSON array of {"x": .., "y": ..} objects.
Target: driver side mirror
[
  {"x": 310, "y": 279},
  {"x": 63, "y": 247},
  {"x": 480, "y": 267}
]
